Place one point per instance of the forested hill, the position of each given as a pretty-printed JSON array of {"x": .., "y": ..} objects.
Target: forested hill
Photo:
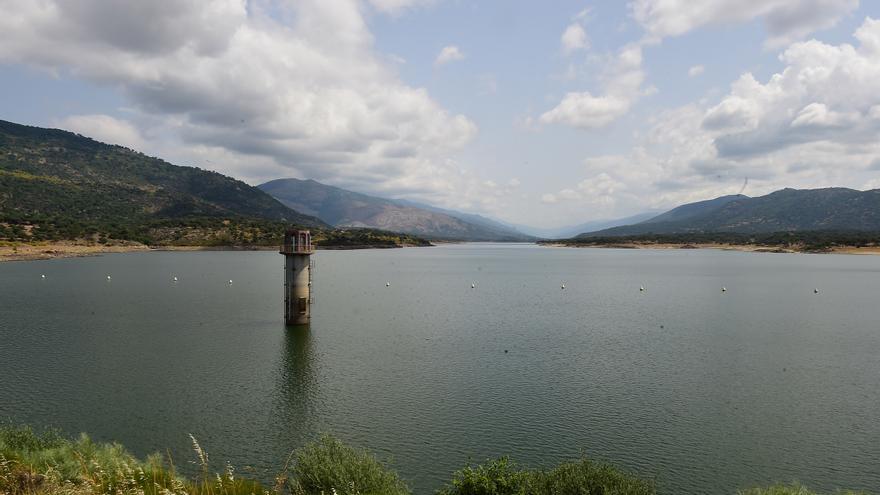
[
  {"x": 786, "y": 210},
  {"x": 56, "y": 184}
]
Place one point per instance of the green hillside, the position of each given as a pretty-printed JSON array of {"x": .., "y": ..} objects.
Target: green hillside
[
  {"x": 57, "y": 185},
  {"x": 787, "y": 210}
]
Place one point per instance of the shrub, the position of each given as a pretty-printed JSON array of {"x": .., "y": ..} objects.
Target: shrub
[
  {"x": 328, "y": 466},
  {"x": 501, "y": 477}
]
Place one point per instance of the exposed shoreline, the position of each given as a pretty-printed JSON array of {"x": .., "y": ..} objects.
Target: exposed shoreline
[
  {"x": 59, "y": 250},
  {"x": 750, "y": 248}
]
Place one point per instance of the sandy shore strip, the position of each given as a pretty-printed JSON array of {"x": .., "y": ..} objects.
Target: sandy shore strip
[
  {"x": 25, "y": 252},
  {"x": 30, "y": 252},
  {"x": 751, "y": 248}
]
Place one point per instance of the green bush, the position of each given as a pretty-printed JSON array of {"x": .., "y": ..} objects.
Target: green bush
[
  {"x": 46, "y": 463},
  {"x": 583, "y": 477},
  {"x": 328, "y": 466}
]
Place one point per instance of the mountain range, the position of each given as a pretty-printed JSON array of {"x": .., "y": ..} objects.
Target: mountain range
[
  {"x": 344, "y": 208},
  {"x": 57, "y": 185},
  {"x": 786, "y": 210}
]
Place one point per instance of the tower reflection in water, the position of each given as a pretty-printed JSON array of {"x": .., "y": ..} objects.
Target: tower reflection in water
[{"x": 297, "y": 399}]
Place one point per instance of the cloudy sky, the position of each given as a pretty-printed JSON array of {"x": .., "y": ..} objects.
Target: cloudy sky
[{"x": 534, "y": 112}]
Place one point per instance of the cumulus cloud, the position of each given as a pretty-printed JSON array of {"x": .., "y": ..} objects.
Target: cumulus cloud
[
  {"x": 448, "y": 54},
  {"x": 587, "y": 111},
  {"x": 824, "y": 93},
  {"x": 785, "y": 20},
  {"x": 622, "y": 85},
  {"x": 574, "y": 38},
  {"x": 600, "y": 194},
  {"x": 222, "y": 75},
  {"x": 814, "y": 123}
]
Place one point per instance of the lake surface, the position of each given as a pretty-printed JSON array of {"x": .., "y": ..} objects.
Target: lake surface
[{"x": 703, "y": 390}]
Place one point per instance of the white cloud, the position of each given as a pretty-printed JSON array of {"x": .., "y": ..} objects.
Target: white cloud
[
  {"x": 599, "y": 194},
  {"x": 818, "y": 115},
  {"x": 824, "y": 93},
  {"x": 622, "y": 84},
  {"x": 574, "y": 38},
  {"x": 448, "y": 54},
  {"x": 223, "y": 76},
  {"x": 814, "y": 123},
  {"x": 549, "y": 199},
  {"x": 395, "y": 7},
  {"x": 104, "y": 128},
  {"x": 696, "y": 70},
  {"x": 785, "y": 20},
  {"x": 586, "y": 111}
]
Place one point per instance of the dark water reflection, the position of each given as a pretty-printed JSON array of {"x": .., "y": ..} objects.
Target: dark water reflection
[{"x": 704, "y": 391}]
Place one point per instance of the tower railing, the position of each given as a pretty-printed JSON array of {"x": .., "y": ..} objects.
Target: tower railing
[{"x": 297, "y": 242}]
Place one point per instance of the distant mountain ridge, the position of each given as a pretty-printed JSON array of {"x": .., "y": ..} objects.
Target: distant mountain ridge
[
  {"x": 786, "y": 210},
  {"x": 501, "y": 229},
  {"x": 344, "y": 208}
]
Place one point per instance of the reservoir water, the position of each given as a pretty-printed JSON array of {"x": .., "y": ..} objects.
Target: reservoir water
[{"x": 704, "y": 390}]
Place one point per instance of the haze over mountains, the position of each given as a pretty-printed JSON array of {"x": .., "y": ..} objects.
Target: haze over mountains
[
  {"x": 787, "y": 210},
  {"x": 343, "y": 208},
  {"x": 591, "y": 226}
]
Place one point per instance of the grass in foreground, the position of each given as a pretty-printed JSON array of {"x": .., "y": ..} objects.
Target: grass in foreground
[{"x": 46, "y": 463}]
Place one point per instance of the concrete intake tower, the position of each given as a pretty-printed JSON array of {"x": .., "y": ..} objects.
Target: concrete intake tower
[{"x": 297, "y": 250}]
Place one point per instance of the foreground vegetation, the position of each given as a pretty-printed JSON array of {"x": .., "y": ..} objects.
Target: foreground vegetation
[
  {"x": 812, "y": 241},
  {"x": 33, "y": 463}
]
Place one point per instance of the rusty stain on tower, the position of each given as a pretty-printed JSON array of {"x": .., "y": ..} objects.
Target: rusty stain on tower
[{"x": 297, "y": 250}]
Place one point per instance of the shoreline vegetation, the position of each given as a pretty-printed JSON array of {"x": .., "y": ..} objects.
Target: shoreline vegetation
[
  {"x": 776, "y": 242},
  {"x": 336, "y": 239},
  {"x": 47, "y": 463}
]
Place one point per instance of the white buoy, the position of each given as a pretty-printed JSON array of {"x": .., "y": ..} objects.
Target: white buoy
[
  {"x": 724, "y": 289},
  {"x": 387, "y": 284},
  {"x": 642, "y": 289},
  {"x": 175, "y": 279},
  {"x": 563, "y": 286},
  {"x": 473, "y": 285},
  {"x": 108, "y": 277},
  {"x": 230, "y": 282},
  {"x": 42, "y": 276},
  {"x": 815, "y": 291}
]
